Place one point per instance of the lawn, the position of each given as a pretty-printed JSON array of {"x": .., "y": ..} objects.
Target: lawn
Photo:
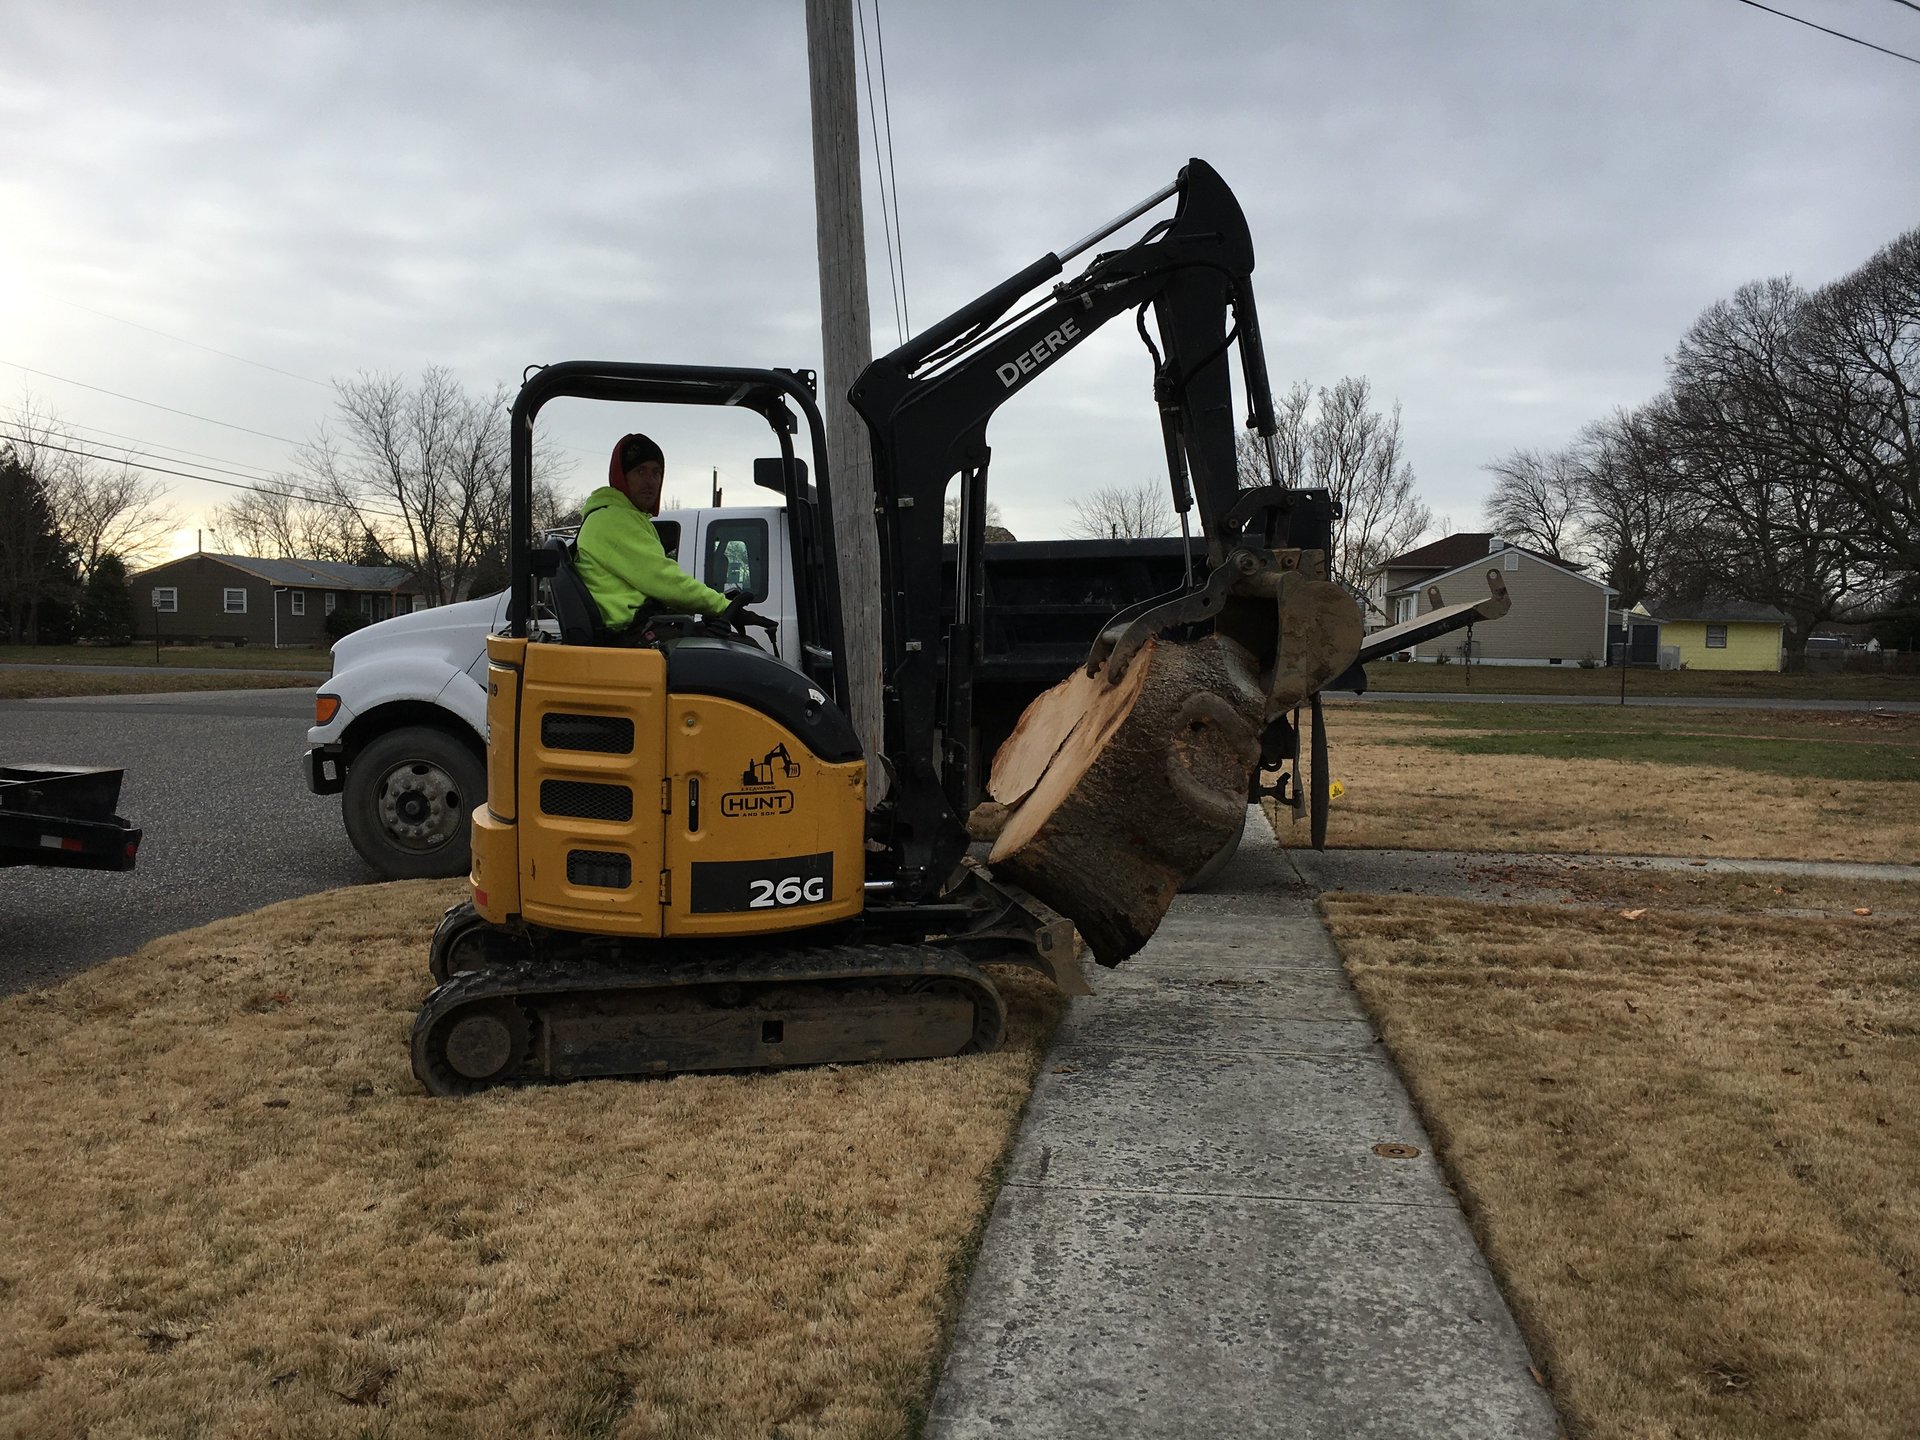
[
  {"x": 1688, "y": 1141},
  {"x": 231, "y": 1212},
  {"x": 244, "y": 657},
  {"x": 56, "y": 682},
  {"x": 1572, "y": 680},
  {"x": 1753, "y": 784}
]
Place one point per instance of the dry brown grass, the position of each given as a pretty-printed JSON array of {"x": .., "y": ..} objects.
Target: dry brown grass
[
  {"x": 229, "y": 1211},
  {"x": 1401, "y": 796},
  {"x": 1689, "y": 1144},
  {"x": 53, "y": 683}
]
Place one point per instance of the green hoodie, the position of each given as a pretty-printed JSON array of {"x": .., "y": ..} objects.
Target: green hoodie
[{"x": 624, "y": 565}]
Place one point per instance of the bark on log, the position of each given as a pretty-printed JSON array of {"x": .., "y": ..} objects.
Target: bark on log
[{"x": 1116, "y": 794}]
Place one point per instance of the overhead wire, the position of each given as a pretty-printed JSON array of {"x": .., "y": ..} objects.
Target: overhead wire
[
  {"x": 893, "y": 179},
  {"x": 886, "y": 223},
  {"x": 151, "y": 404},
  {"x": 309, "y": 499},
  {"x": 1837, "y": 34},
  {"x": 181, "y": 339}
]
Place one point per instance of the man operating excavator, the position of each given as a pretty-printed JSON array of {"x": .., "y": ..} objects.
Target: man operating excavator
[{"x": 621, "y": 560}]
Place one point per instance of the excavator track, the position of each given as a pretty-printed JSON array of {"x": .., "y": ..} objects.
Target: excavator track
[{"x": 560, "y": 1017}]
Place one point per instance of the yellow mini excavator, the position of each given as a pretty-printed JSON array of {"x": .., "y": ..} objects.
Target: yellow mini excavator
[{"x": 676, "y": 867}]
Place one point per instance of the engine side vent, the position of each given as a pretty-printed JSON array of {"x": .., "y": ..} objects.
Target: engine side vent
[
  {"x": 586, "y": 800},
  {"x": 606, "y": 869},
  {"x": 601, "y": 734}
]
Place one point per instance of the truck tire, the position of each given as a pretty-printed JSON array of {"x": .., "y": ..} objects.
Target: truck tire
[{"x": 408, "y": 803}]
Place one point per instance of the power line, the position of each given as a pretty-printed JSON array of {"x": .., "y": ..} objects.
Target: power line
[
  {"x": 1910, "y": 4},
  {"x": 230, "y": 484},
  {"x": 886, "y": 109},
  {"x": 1838, "y": 35},
  {"x": 887, "y": 209},
  {"x": 880, "y": 175},
  {"x": 181, "y": 339},
  {"x": 284, "y": 440},
  {"x": 69, "y": 426}
]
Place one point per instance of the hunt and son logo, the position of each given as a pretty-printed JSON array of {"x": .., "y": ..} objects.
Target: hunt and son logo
[{"x": 760, "y": 792}]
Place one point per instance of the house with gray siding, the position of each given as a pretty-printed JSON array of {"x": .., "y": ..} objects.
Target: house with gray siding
[
  {"x": 1559, "y": 616},
  {"x": 244, "y": 600}
]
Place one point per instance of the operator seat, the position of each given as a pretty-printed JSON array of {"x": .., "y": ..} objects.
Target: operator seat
[{"x": 573, "y": 606}]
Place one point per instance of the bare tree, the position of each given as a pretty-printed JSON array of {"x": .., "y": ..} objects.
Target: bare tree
[
  {"x": 1740, "y": 439},
  {"x": 1292, "y": 443},
  {"x": 1124, "y": 512},
  {"x": 100, "y": 506},
  {"x": 427, "y": 465},
  {"x": 1641, "y": 525},
  {"x": 282, "y": 525},
  {"x": 1857, "y": 349},
  {"x": 1349, "y": 448},
  {"x": 1538, "y": 500},
  {"x": 950, "y": 519}
]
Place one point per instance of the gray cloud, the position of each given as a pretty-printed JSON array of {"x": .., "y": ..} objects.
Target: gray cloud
[{"x": 1504, "y": 214}]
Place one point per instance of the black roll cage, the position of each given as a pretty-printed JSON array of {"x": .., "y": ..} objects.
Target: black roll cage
[{"x": 766, "y": 392}]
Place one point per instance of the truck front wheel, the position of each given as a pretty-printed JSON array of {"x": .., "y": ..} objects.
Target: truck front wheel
[{"x": 408, "y": 803}]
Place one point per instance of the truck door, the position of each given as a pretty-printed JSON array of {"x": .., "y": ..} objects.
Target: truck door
[{"x": 739, "y": 550}]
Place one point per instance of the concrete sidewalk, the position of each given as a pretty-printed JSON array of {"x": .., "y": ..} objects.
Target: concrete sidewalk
[{"x": 1197, "y": 1235}]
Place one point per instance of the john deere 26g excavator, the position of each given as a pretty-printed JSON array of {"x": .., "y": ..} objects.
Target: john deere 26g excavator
[{"x": 676, "y": 867}]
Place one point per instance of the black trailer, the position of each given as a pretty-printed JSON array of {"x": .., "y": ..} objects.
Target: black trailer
[{"x": 62, "y": 815}]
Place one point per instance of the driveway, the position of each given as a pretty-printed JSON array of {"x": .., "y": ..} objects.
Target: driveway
[{"x": 214, "y": 778}]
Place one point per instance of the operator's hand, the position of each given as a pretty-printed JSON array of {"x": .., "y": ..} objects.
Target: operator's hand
[{"x": 740, "y": 617}]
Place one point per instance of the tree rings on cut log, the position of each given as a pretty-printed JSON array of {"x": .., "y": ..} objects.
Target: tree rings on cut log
[{"x": 1116, "y": 794}]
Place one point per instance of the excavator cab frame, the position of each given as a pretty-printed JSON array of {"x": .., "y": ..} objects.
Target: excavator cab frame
[{"x": 774, "y": 395}]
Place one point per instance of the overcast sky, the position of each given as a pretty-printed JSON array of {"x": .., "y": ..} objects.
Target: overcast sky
[{"x": 1504, "y": 214}]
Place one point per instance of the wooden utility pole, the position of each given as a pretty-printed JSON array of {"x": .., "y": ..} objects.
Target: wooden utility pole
[{"x": 847, "y": 347}]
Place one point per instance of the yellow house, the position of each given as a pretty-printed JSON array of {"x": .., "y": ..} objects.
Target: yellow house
[{"x": 1722, "y": 634}]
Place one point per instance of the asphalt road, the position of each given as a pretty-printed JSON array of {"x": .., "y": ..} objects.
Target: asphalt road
[{"x": 214, "y": 779}]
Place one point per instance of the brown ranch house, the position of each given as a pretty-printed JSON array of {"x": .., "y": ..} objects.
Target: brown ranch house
[{"x": 241, "y": 600}]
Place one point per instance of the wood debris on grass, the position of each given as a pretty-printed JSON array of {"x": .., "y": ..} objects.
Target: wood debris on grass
[
  {"x": 1690, "y": 1146},
  {"x": 229, "y": 1210}
]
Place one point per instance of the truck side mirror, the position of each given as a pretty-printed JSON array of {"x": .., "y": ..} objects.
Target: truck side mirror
[{"x": 770, "y": 474}]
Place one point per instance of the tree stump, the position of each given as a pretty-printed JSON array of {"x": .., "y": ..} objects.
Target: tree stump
[
  {"x": 1115, "y": 795},
  {"x": 1108, "y": 797}
]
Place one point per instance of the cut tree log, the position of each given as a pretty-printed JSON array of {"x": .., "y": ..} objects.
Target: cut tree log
[
  {"x": 1108, "y": 797},
  {"x": 1115, "y": 794}
]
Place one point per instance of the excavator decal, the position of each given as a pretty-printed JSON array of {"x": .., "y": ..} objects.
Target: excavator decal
[
  {"x": 758, "y": 795},
  {"x": 760, "y": 772}
]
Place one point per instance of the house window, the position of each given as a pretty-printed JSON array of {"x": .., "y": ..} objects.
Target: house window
[
  {"x": 327, "y": 608},
  {"x": 1716, "y": 637},
  {"x": 1403, "y": 608},
  {"x": 236, "y": 601},
  {"x": 1511, "y": 561},
  {"x": 166, "y": 598},
  {"x": 403, "y": 604},
  {"x": 296, "y": 602}
]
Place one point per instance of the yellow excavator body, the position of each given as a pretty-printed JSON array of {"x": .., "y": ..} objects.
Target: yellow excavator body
[{"x": 618, "y": 807}]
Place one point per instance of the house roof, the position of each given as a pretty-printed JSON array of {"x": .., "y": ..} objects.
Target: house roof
[
  {"x": 1719, "y": 612},
  {"x": 1450, "y": 552},
  {"x": 315, "y": 574},
  {"x": 1478, "y": 562}
]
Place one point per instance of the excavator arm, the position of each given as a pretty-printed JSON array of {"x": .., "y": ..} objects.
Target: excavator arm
[{"x": 927, "y": 406}]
